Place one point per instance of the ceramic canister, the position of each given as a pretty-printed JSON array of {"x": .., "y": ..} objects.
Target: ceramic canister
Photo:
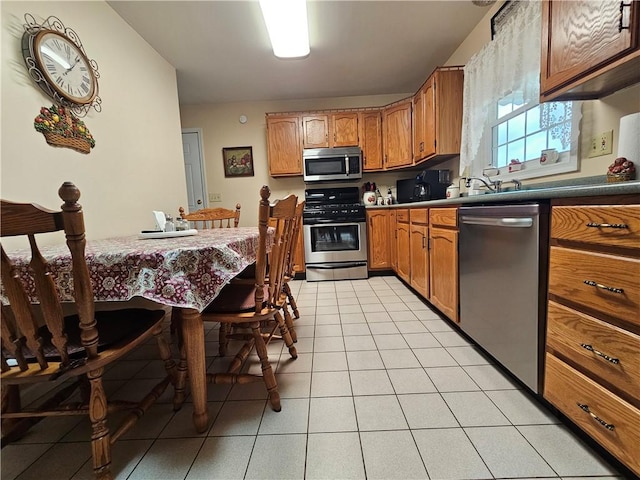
[
  {"x": 453, "y": 191},
  {"x": 369, "y": 198}
]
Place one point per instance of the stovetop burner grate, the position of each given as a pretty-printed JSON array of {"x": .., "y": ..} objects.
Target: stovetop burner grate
[{"x": 333, "y": 205}]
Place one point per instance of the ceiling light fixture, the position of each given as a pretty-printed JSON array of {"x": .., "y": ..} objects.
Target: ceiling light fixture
[{"x": 286, "y": 22}]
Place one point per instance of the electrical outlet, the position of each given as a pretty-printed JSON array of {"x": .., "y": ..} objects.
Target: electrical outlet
[
  {"x": 601, "y": 144},
  {"x": 215, "y": 197}
]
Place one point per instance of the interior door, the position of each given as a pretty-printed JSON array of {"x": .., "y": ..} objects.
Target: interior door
[{"x": 194, "y": 170}]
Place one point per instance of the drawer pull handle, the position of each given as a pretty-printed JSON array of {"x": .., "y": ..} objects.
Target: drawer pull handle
[
  {"x": 613, "y": 360},
  {"x": 604, "y": 287},
  {"x": 620, "y": 24},
  {"x": 607, "y": 225},
  {"x": 608, "y": 426}
]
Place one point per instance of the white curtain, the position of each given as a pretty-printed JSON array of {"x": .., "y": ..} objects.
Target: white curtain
[{"x": 509, "y": 64}]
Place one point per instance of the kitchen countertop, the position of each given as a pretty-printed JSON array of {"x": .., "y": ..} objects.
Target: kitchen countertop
[{"x": 533, "y": 193}]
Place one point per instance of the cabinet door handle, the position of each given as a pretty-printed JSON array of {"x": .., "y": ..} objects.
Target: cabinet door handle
[
  {"x": 613, "y": 360},
  {"x": 607, "y": 225},
  {"x": 603, "y": 287},
  {"x": 608, "y": 426},
  {"x": 622, "y": 7}
]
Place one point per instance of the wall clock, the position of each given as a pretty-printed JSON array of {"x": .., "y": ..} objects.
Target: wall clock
[{"x": 57, "y": 62}]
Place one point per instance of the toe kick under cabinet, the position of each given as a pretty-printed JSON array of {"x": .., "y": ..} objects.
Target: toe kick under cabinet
[{"x": 592, "y": 361}]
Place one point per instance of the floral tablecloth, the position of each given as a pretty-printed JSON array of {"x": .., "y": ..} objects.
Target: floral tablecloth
[{"x": 180, "y": 272}]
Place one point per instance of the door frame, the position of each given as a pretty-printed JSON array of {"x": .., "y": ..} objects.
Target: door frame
[{"x": 203, "y": 171}]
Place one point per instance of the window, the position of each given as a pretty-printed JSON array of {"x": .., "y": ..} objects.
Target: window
[
  {"x": 521, "y": 131},
  {"x": 502, "y": 118}
]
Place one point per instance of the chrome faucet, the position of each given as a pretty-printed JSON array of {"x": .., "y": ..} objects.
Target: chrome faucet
[
  {"x": 495, "y": 185},
  {"x": 492, "y": 185}
]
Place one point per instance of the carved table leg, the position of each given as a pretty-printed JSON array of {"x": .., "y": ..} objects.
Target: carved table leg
[{"x": 193, "y": 344}]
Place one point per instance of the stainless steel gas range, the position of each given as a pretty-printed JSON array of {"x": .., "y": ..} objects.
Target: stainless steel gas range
[{"x": 335, "y": 234}]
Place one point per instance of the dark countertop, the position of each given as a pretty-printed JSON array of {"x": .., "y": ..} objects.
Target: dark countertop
[{"x": 534, "y": 193}]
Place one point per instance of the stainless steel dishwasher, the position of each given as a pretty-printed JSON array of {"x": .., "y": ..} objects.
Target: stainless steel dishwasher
[{"x": 503, "y": 252}]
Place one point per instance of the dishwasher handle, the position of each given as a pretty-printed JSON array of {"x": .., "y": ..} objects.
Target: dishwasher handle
[{"x": 510, "y": 222}]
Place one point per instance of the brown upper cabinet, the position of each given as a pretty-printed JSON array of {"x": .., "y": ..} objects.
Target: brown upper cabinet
[
  {"x": 437, "y": 115},
  {"x": 315, "y": 131},
  {"x": 330, "y": 130},
  {"x": 589, "y": 49},
  {"x": 344, "y": 129},
  {"x": 284, "y": 145},
  {"x": 397, "y": 136},
  {"x": 370, "y": 125}
]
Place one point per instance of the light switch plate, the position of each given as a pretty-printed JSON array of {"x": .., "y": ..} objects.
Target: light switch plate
[
  {"x": 601, "y": 144},
  {"x": 215, "y": 197}
]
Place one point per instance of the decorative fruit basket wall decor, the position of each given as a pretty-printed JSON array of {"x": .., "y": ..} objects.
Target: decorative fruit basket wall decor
[
  {"x": 61, "y": 128},
  {"x": 621, "y": 170}
]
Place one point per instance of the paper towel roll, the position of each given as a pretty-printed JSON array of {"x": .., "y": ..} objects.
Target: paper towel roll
[{"x": 629, "y": 137}]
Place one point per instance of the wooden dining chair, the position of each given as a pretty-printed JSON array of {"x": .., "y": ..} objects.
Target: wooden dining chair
[
  {"x": 71, "y": 351},
  {"x": 213, "y": 217},
  {"x": 253, "y": 305},
  {"x": 290, "y": 273},
  {"x": 248, "y": 275}
]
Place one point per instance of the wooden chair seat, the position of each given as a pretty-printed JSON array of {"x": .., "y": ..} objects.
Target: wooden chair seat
[
  {"x": 118, "y": 329},
  {"x": 52, "y": 348},
  {"x": 236, "y": 298}
]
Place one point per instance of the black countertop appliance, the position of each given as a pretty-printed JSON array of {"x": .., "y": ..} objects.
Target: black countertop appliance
[{"x": 427, "y": 185}]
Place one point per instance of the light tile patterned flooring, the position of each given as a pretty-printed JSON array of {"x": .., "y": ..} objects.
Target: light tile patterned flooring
[{"x": 383, "y": 388}]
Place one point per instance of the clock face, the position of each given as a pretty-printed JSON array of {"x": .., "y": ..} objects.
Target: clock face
[{"x": 65, "y": 67}]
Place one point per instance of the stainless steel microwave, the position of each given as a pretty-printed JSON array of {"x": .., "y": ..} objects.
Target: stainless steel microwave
[{"x": 332, "y": 164}]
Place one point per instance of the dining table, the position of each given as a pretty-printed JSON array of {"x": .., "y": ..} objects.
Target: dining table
[{"x": 183, "y": 271}]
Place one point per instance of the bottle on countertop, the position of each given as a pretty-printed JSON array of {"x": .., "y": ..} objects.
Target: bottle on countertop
[{"x": 389, "y": 197}]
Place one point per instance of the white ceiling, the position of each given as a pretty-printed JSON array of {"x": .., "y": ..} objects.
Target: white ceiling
[{"x": 221, "y": 49}]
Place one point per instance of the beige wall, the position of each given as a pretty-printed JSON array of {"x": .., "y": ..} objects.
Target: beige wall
[
  {"x": 221, "y": 128},
  {"x": 597, "y": 115},
  {"x": 136, "y": 165}
]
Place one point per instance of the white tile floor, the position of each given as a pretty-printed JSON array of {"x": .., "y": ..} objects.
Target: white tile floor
[{"x": 383, "y": 388}]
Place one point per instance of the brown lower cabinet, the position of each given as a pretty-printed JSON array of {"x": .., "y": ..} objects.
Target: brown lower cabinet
[
  {"x": 592, "y": 370},
  {"x": 421, "y": 246},
  {"x": 443, "y": 255},
  {"x": 379, "y": 233},
  {"x": 605, "y": 417},
  {"x": 393, "y": 239},
  {"x": 298, "y": 255},
  {"x": 403, "y": 245},
  {"x": 419, "y": 250}
]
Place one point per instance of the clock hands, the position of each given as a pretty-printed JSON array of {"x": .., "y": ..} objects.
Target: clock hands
[{"x": 72, "y": 66}]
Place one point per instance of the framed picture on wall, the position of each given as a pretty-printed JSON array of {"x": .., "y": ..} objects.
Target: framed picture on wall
[{"x": 238, "y": 161}]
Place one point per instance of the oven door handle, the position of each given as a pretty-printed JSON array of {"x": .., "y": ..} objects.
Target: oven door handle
[
  {"x": 332, "y": 223},
  {"x": 333, "y": 266}
]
